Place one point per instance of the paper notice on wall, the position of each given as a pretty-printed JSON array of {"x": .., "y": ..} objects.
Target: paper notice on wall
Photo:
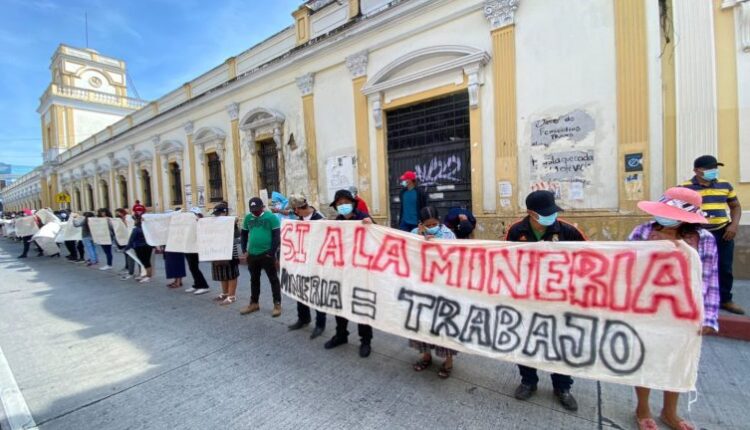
[
  {"x": 339, "y": 174},
  {"x": 504, "y": 203},
  {"x": 182, "y": 236},
  {"x": 99, "y": 228},
  {"x": 505, "y": 188},
  {"x": 216, "y": 238},
  {"x": 156, "y": 228},
  {"x": 576, "y": 191}
]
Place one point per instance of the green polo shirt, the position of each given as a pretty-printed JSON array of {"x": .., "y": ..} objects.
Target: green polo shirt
[{"x": 260, "y": 232}]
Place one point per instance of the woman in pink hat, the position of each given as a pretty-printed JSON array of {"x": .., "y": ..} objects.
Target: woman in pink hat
[{"x": 677, "y": 216}]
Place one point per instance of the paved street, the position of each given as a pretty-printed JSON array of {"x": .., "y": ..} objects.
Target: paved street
[{"x": 89, "y": 351}]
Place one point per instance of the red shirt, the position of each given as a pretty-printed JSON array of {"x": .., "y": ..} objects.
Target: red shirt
[{"x": 362, "y": 205}]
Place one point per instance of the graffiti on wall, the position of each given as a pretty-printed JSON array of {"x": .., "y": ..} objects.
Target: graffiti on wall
[{"x": 439, "y": 171}]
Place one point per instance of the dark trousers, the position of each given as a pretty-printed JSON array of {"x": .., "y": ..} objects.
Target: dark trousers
[
  {"x": 364, "y": 330},
  {"x": 405, "y": 226},
  {"x": 303, "y": 314},
  {"x": 725, "y": 250},
  {"x": 266, "y": 263},
  {"x": 199, "y": 281},
  {"x": 108, "y": 253},
  {"x": 75, "y": 249},
  {"x": 559, "y": 382},
  {"x": 27, "y": 244}
]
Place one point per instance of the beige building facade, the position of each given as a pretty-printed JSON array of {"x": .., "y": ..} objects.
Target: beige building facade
[{"x": 603, "y": 102}]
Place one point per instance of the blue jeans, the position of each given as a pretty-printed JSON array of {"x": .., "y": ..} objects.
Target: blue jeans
[
  {"x": 88, "y": 243},
  {"x": 108, "y": 252}
]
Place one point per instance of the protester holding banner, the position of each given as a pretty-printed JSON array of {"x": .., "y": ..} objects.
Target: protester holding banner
[
  {"x": 461, "y": 222},
  {"x": 431, "y": 228},
  {"x": 304, "y": 212},
  {"x": 412, "y": 201},
  {"x": 344, "y": 203},
  {"x": 260, "y": 240},
  {"x": 105, "y": 213},
  {"x": 200, "y": 285},
  {"x": 88, "y": 241},
  {"x": 677, "y": 216},
  {"x": 542, "y": 224},
  {"x": 121, "y": 216},
  {"x": 227, "y": 271},
  {"x": 27, "y": 238},
  {"x": 142, "y": 250}
]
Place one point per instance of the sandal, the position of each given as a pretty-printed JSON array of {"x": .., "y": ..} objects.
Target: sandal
[
  {"x": 220, "y": 297},
  {"x": 444, "y": 372},
  {"x": 646, "y": 424},
  {"x": 173, "y": 285},
  {"x": 422, "y": 365},
  {"x": 681, "y": 425},
  {"x": 228, "y": 301}
]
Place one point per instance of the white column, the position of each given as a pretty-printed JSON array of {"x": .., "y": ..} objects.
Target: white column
[{"x": 695, "y": 79}]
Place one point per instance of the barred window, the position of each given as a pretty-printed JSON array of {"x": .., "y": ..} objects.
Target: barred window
[
  {"x": 215, "y": 191},
  {"x": 176, "y": 175}
]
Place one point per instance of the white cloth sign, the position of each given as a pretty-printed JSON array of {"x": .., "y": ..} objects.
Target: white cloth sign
[
  {"x": 99, "y": 228},
  {"x": 183, "y": 233},
  {"x": 26, "y": 226},
  {"x": 122, "y": 231},
  {"x": 155, "y": 228},
  {"x": 45, "y": 238},
  {"x": 623, "y": 312},
  {"x": 216, "y": 238}
]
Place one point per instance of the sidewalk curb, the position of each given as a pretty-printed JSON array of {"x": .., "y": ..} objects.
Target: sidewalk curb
[{"x": 734, "y": 327}]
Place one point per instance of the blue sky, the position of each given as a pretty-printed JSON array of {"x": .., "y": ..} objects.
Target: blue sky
[{"x": 164, "y": 42}]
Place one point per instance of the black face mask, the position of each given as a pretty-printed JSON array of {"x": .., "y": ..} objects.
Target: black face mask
[{"x": 257, "y": 213}]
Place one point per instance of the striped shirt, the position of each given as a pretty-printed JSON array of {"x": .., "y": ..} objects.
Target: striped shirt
[
  {"x": 706, "y": 247},
  {"x": 716, "y": 196}
]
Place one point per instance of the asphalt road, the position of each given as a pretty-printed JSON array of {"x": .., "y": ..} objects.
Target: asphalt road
[{"x": 89, "y": 351}]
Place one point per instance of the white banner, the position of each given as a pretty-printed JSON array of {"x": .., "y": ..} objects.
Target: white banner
[
  {"x": 99, "y": 228},
  {"x": 122, "y": 231},
  {"x": 70, "y": 231},
  {"x": 183, "y": 234},
  {"x": 623, "y": 312},
  {"x": 155, "y": 228},
  {"x": 142, "y": 269},
  {"x": 26, "y": 226},
  {"x": 47, "y": 216},
  {"x": 45, "y": 238},
  {"x": 216, "y": 238}
]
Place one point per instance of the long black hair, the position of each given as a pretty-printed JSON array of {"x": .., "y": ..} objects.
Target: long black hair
[
  {"x": 104, "y": 211},
  {"x": 428, "y": 212}
]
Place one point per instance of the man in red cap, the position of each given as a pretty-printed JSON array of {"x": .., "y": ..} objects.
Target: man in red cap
[
  {"x": 412, "y": 201},
  {"x": 138, "y": 208}
]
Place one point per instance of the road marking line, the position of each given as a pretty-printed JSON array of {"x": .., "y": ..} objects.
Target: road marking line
[{"x": 16, "y": 410}]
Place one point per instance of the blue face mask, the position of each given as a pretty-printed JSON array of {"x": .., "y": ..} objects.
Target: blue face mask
[
  {"x": 666, "y": 222},
  {"x": 711, "y": 174},
  {"x": 547, "y": 220},
  {"x": 344, "y": 209},
  {"x": 404, "y": 184},
  {"x": 432, "y": 231}
]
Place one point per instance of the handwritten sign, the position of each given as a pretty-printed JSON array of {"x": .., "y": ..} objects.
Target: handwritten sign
[
  {"x": 575, "y": 125},
  {"x": 216, "y": 238},
  {"x": 69, "y": 231},
  {"x": 45, "y": 238},
  {"x": 26, "y": 226},
  {"x": 182, "y": 235},
  {"x": 122, "y": 231},
  {"x": 599, "y": 310},
  {"x": 99, "y": 228},
  {"x": 156, "y": 228},
  {"x": 47, "y": 216}
]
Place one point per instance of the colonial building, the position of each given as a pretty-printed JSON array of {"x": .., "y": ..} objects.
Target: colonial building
[{"x": 603, "y": 102}]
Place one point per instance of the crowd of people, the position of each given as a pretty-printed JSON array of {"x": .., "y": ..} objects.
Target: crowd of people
[{"x": 704, "y": 212}]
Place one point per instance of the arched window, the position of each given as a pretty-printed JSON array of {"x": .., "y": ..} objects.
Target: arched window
[
  {"x": 105, "y": 193},
  {"x": 77, "y": 193},
  {"x": 215, "y": 190},
  {"x": 90, "y": 195},
  {"x": 123, "y": 191},
  {"x": 176, "y": 181},
  {"x": 146, "y": 185}
]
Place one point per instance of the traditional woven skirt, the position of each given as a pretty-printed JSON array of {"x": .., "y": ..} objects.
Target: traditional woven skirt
[
  {"x": 428, "y": 347},
  {"x": 226, "y": 270}
]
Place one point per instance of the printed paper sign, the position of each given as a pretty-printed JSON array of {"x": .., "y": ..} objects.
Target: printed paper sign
[
  {"x": 26, "y": 226},
  {"x": 216, "y": 238},
  {"x": 69, "y": 231},
  {"x": 183, "y": 236},
  {"x": 122, "y": 231},
  {"x": 623, "y": 312},
  {"x": 155, "y": 228},
  {"x": 99, "y": 228}
]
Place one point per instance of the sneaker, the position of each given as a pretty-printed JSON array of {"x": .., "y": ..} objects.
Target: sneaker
[
  {"x": 335, "y": 341},
  {"x": 81, "y": 261},
  {"x": 145, "y": 280},
  {"x": 298, "y": 325},
  {"x": 567, "y": 400},
  {"x": 126, "y": 276},
  {"x": 524, "y": 392},
  {"x": 191, "y": 290},
  {"x": 317, "y": 331},
  {"x": 252, "y": 307},
  {"x": 364, "y": 350},
  {"x": 276, "y": 310},
  {"x": 107, "y": 267},
  {"x": 201, "y": 291}
]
